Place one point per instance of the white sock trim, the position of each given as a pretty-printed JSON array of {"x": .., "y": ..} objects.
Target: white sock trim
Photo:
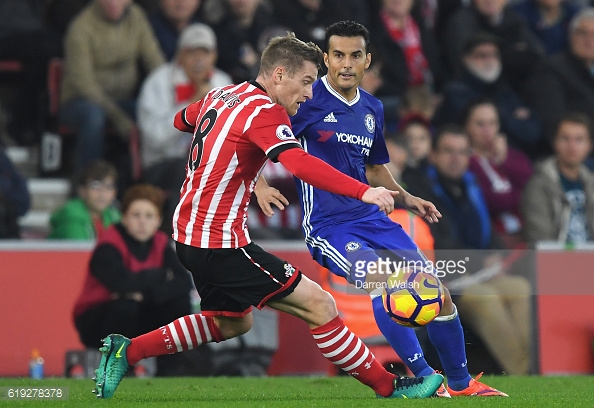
[
  {"x": 376, "y": 292},
  {"x": 448, "y": 317}
]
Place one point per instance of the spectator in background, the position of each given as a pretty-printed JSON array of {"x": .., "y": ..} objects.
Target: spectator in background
[
  {"x": 445, "y": 10},
  {"x": 501, "y": 171},
  {"x": 23, "y": 41},
  {"x": 398, "y": 156},
  {"x": 558, "y": 201},
  {"x": 481, "y": 78},
  {"x": 134, "y": 280},
  {"x": 310, "y": 18},
  {"x": 496, "y": 307},
  {"x": 171, "y": 18},
  {"x": 416, "y": 132},
  {"x": 166, "y": 91},
  {"x": 92, "y": 211},
  {"x": 243, "y": 31},
  {"x": 549, "y": 21},
  {"x": 408, "y": 49},
  {"x": 519, "y": 47},
  {"x": 564, "y": 82},
  {"x": 14, "y": 197},
  {"x": 105, "y": 48},
  {"x": 448, "y": 181}
]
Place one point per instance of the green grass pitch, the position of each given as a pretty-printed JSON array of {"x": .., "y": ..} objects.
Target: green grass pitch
[{"x": 303, "y": 392}]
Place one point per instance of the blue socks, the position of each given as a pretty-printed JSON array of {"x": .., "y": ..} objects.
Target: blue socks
[
  {"x": 402, "y": 339},
  {"x": 447, "y": 336}
]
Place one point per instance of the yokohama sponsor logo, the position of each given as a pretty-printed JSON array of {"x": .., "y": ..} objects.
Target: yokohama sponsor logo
[{"x": 354, "y": 139}]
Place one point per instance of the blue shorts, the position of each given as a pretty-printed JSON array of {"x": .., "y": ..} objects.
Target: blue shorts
[{"x": 352, "y": 250}]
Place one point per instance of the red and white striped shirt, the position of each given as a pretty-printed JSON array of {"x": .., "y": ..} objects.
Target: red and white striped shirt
[{"x": 236, "y": 129}]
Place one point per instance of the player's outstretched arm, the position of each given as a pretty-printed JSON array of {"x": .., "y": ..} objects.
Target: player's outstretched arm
[
  {"x": 379, "y": 175},
  {"x": 267, "y": 196}
]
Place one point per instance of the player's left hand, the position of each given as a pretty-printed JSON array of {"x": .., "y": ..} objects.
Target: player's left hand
[
  {"x": 422, "y": 208},
  {"x": 266, "y": 196}
]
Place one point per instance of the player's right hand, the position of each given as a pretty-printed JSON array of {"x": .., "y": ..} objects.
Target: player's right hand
[
  {"x": 381, "y": 197},
  {"x": 267, "y": 196}
]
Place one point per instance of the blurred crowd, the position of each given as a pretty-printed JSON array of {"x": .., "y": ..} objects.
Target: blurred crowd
[{"x": 515, "y": 78}]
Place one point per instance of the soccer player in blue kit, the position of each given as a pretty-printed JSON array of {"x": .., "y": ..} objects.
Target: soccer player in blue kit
[{"x": 343, "y": 125}]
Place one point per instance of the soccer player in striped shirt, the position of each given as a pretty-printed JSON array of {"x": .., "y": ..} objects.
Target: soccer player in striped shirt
[
  {"x": 236, "y": 129},
  {"x": 343, "y": 126}
]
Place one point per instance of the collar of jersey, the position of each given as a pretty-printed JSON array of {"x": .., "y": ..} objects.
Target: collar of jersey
[{"x": 339, "y": 96}]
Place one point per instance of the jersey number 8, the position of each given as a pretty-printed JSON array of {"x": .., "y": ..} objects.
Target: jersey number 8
[{"x": 206, "y": 124}]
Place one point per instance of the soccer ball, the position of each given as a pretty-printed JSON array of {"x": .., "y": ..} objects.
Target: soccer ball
[{"x": 413, "y": 298}]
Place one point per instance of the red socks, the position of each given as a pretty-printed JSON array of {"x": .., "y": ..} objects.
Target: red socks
[
  {"x": 343, "y": 348},
  {"x": 336, "y": 342},
  {"x": 182, "y": 334}
]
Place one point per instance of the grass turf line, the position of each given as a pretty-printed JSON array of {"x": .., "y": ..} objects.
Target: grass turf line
[{"x": 343, "y": 392}]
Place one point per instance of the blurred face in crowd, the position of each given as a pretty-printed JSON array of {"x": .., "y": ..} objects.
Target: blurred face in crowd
[
  {"x": 243, "y": 8},
  {"x": 197, "y": 63},
  {"x": 398, "y": 157},
  {"x": 572, "y": 144},
  {"x": 372, "y": 80},
  {"x": 98, "y": 194},
  {"x": 490, "y": 8},
  {"x": 451, "y": 155},
  {"x": 484, "y": 62},
  {"x": 311, "y": 4},
  {"x": 114, "y": 10},
  {"x": 180, "y": 11},
  {"x": 549, "y": 4},
  {"x": 397, "y": 8},
  {"x": 141, "y": 220},
  {"x": 582, "y": 40},
  {"x": 482, "y": 126},
  {"x": 418, "y": 141},
  {"x": 347, "y": 61}
]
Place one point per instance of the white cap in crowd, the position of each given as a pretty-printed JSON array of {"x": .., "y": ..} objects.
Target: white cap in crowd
[{"x": 197, "y": 36}]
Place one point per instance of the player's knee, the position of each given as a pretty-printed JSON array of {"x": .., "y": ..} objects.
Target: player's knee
[
  {"x": 324, "y": 305},
  {"x": 518, "y": 286},
  {"x": 448, "y": 305}
]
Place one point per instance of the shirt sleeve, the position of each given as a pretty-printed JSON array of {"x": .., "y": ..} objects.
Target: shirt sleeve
[
  {"x": 321, "y": 175},
  {"x": 185, "y": 119},
  {"x": 271, "y": 132}
]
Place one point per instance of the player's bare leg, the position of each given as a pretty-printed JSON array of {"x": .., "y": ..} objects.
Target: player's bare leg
[{"x": 344, "y": 349}]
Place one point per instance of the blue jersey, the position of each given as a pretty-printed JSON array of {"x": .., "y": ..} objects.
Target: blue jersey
[{"x": 346, "y": 135}]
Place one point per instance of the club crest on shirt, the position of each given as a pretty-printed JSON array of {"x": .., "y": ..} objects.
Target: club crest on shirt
[
  {"x": 289, "y": 270},
  {"x": 352, "y": 246},
  {"x": 283, "y": 132},
  {"x": 370, "y": 123}
]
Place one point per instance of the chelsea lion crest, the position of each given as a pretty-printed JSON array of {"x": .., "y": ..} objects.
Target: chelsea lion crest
[
  {"x": 352, "y": 246},
  {"x": 370, "y": 123}
]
